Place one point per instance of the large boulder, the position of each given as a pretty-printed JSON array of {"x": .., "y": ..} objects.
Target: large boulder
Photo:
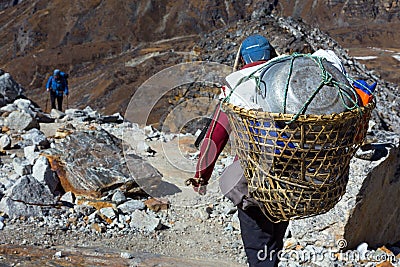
[
  {"x": 20, "y": 120},
  {"x": 369, "y": 210},
  {"x": 9, "y": 89},
  {"x": 91, "y": 162},
  {"x": 27, "y": 197}
]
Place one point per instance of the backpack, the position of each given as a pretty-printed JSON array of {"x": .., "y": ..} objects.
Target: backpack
[
  {"x": 58, "y": 86},
  {"x": 64, "y": 76}
]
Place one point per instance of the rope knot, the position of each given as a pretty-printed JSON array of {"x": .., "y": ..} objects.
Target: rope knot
[{"x": 327, "y": 78}]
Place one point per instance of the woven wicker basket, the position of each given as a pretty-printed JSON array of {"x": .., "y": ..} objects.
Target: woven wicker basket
[{"x": 298, "y": 169}]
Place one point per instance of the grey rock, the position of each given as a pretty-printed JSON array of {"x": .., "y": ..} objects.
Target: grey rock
[
  {"x": 1, "y": 222},
  {"x": 85, "y": 210},
  {"x": 235, "y": 221},
  {"x": 115, "y": 118},
  {"x": 36, "y": 137},
  {"x": 109, "y": 212},
  {"x": 91, "y": 113},
  {"x": 227, "y": 208},
  {"x": 9, "y": 108},
  {"x": 131, "y": 205},
  {"x": 31, "y": 153},
  {"x": 127, "y": 255},
  {"x": 68, "y": 197},
  {"x": 201, "y": 214},
  {"x": 118, "y": 197},
  {"x": 228, "y": 228},
  {"x": 20, "y": 120},
  {"x": 43, "y": 117},
  {"x": 9, "y": 89},
  {"x": 93, "y": 217},
  {"x": 14, "y": 177},
  {"x": 76, "y": 113},
  {"x": 148, "y": 177},
  {"x": 56, "y": 114},
  {"x": 142, "y": 221},
  {"x": 23, "y": 105},
  {"x": 365, "y": 154},
  {"x": 362, "y": 249},
  {"x": 180, "y": 226},
  {"x": 43, "y": 173},
  {"x": 27, "y": 197},
  {"x": 142, "y": 147},
  {"x": 366, "y": 212},
  {"x": 7, "y": 182},
  {"x": 22, "y": 166},
  {"x": 5, "y": 142},
  {"x": 93, "y": 162}
]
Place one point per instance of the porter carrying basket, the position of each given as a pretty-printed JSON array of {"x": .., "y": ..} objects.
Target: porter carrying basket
[{"x": 296, "y": 165}]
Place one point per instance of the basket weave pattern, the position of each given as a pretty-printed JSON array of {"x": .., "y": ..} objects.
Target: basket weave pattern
[{"x": 298, "y": 169}]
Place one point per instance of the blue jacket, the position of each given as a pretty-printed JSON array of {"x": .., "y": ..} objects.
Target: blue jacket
[{"x": 59, "y": 87}]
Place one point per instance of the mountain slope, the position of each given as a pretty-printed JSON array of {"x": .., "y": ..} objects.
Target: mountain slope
[{"x": 110, "y": 47}]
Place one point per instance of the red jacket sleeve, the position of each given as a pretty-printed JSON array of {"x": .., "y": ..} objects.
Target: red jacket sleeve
[{"x": 214, "y": 142}]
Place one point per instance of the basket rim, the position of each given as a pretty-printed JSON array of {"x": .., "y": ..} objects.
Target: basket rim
[{"x": 304, "y": 117}]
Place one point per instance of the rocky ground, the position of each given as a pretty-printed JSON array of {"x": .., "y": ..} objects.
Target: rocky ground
[{"x": 127, "y": 224}]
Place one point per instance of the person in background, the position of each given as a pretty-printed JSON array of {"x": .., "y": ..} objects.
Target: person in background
[
  {"x": 262, "y": 238},
  {"x": 57, "y": 86}
]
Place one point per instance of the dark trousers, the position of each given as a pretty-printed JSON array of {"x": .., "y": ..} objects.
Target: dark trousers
[
  {"x": 262, "y": 238},
  {"x": 53, "y": 98}
]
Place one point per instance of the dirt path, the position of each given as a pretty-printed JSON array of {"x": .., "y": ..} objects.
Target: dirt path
[{"x": 94, "y": 256}]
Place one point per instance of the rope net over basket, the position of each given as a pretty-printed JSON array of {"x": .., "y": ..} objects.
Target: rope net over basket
[{"x": 298, "y": 169}]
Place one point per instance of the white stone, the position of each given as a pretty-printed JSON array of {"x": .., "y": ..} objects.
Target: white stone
[
  {"x": 20, "y": 120},
  {"x": 131, "y": 205},
  {"x": 108, "y": 212},
  {"x": 5, "y": 142},
  {"x": 22, "y": 166},
  {"x": 43, "y": 173},
  {"x": 31, "y": 153},
  {"x": 127, "y": 255},
  {"x": 143, "y": 221},
  {"x": 22, "y": 104},
  {"x": 118, "y": 197},
  {"x": 37, "y": 137},
  {"x": 56, "y": 114},
  {"x": 9, "y": 108},
  {"x": 68, "y": 197}
]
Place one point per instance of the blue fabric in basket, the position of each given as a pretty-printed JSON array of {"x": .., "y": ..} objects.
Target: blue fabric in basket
[{"x": 259, "y": 133}]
